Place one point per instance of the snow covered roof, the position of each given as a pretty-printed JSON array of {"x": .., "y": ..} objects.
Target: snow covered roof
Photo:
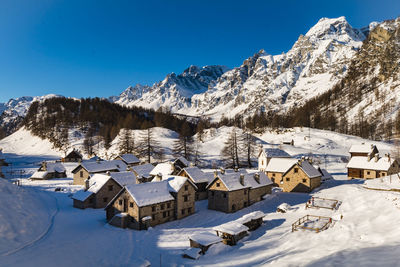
[
  {"x": 251, "y": 181},
  {"x": 280, "y": 164},
  {"x": 175, "y": 183},
  {"x": 231, "y": 181},
  {"x": 309, "y": 169},
  {"x": 183, "y": 160},
  {"x": 54, "y": 167},
  {"x": 129, "y": 158},
  {"x": 250, "y": 216},
  {"x": 163, "y": 168},
  {"x": 39, "y": 174},
  {"x": 193, "y": 253},
  {"x": 143, "y": 170},
  {"x": 102, "y": 166},
  {"x": 149, "y": 193},
  {"x": 96, "y": 182},
  {"x": 359, "y": 162},
  {"x": 274, "y": 153},
  {"x": 232, "y": 228},
  {"x": 197, "y": 175},
  {"x": 123, "y": 178},
  {"x": 363, "y": 148},
  {"x": 325, "y": 174},
  {"x": 205, "y": 238}
]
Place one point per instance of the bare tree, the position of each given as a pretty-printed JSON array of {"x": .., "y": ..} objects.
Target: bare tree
[
  {"x": 127, "y": 142},
  {"x": 249, "y": 146},
  {"x": 230, "y": 152},
  {"x": 147, "y": 146}
]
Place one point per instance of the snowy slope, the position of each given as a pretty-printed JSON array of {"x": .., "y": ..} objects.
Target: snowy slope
[{"x": 25, "y": 216}]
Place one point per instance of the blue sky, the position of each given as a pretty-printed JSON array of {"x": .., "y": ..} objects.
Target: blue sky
[{"x": 98, "y": 48}]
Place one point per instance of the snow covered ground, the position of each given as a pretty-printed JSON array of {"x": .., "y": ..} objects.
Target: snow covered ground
[{"x": 64, "y": 236}]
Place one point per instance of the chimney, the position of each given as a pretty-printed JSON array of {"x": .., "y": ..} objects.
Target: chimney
[
  {"x": 372, "y": 146},
  {"x": 376, "y": 156},
  {"x": 98, "y": 160},
  {"x": 236, "y": 169},
  {"x": 128, "y": 169},
  {"x": 86, "y": 184},
  {"x": 159, "y": 177},
  {"x": 108, "y": 173},
  {"x": 257, "y": 177},
  {"x": 241, "y": 179},
  {"x": 369, "y": 157},
  {"x": 215, "y": 174},
  {"x": 222, "y": 171},
  {"x": 310, "y": 160},
  {"x": 44, "y": 165}
]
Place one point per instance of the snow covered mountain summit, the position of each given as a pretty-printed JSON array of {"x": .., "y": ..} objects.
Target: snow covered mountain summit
[{"x": 317, "y": 61}]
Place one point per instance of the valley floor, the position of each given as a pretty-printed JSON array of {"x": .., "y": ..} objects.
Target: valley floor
[{"x": 367, "y": 235}]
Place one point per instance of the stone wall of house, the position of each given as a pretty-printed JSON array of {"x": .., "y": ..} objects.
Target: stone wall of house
[
  {"x": 80, "y": 179},
  {"x": 238, "y": 199},
  {"x": 295, "y": 180},
  {"x": 256, "y": 194},
  {"x": 275, "y": 177},
  {"x": 109, "y": 190},
  {"x": 185, "y": 200}
]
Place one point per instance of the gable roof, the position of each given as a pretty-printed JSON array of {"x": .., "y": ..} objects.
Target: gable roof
[
  {"x": 197, "y": 175},
  {"x": 149, "y": 193},
  {"x": 175, "y": 183},
  {"x": 232, "y": 228},
  {"x": 54, "y": 167},
  {"x": 231, "y": 181},
  {"x": 129, "y": 158},
  {"x": 71, "y": 151},
  {"x": 183, "y": 160},
  {"x": 143, "y": 170},
  {"x": 123, "y": 178},
  {"x": 362, "y": 148},
  {"x": 102, "y": 166},
  {"x": 281, "y": 165},
  {"x": 163, "y": 168},
  {"x": 309, "y": 169},
  {"x": 359, "y": 162},
  {"x": 95, "y": 184},
  {"x": 274, "y": 153},
  {"x": 251, "y": 181}
]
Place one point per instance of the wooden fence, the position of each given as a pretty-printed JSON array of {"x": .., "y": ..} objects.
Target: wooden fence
[{"x": 301, "y": 223}]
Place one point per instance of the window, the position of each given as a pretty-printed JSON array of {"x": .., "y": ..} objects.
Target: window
[
  {"x": 245, "y": 192},
  {"x": 273, "y": 175},
  {"x": 168, "y": 205},
  {"x": 224, "y": 195},
  {"x": 233, "y": 207},
  {"x": 368, "y": 173},
  {"x": 153, "y": 217},
  {"x": 120, "y": 202},
  {"x": 262, "y": 163},
  {"x": 245, "y": 204},
  {"x": 81, "y": 174},
  {"x": 162, "y": 206},
  {"x": 185, "y": 198},
  {"x": 186, "y": 188},
  {"x": 304, "y": 180},
  {"x": 189, "y": 210},
  {"x": 183, "y": 211},
  {"x": 296, "y": 170},
  {"x": 105, "y": 199},
  {"x": 153, "y": 208},
  {"x": 110, "y": 188},
  {"x": 287, "y": 179},
  {"x": 218, "y": 184},
  {"x": 164, "y": 214},
  {"x": 131, "y": 204}
]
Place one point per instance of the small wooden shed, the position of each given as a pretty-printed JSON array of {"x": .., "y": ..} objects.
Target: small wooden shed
[
  {"x": 203, "y": 241},
  {"x": 231, "y": 232},
  {"x": 252, "y": 220}
]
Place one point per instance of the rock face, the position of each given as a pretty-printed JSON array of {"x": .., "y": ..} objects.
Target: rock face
[
  {"x": 264, "y": 82},
  {"x": 175, "y": 91},
  {"x": 13, "y": 112}
]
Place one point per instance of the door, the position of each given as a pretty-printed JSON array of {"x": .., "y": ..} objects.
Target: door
[{"x": 125, "y": 205}]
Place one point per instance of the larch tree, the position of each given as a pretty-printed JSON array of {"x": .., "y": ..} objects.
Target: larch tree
[
  {"x": 127, "y": 142},
  {"x": 230, "y": 152},
  {"x": 183, "y": 146},
  {"x": 147, "y": 146}
]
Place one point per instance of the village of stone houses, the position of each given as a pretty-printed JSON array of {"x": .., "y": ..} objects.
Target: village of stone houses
[{"x": 311, "y": 197}]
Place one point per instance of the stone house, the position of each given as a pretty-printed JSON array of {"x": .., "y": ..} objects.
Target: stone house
[
  {"x": 363, "y": 150},
  {"x": 277, "y": 167},
  {"x": 301, "y": 177},
  {"x": 72, "y": 155},
  {"x": 199, "y": 178},
  {"x": 101, "y": 189},
  {"x": 49, "y": 170},
  {"x": 128, "y": 159},
  {"x": 180, "y": 163},
  {"x": 88, "y": 168},
  {"x": 148, "y": 204},
  {"x": 142, "y": 172},
  {"x": 229, "y": 192},
  {"x": 266, "y": 154},
  {"x": 371, "y": 167}
]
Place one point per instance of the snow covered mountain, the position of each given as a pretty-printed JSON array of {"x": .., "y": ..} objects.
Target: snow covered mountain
[
  {"x": 13, "y": 112},
  {"x": 175, "y": 91},
  {"x": 317, "y": 61}
]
